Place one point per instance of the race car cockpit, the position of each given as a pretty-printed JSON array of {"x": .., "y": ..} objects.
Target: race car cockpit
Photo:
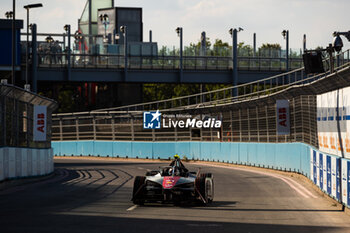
[{"x": 175, "y": 168}]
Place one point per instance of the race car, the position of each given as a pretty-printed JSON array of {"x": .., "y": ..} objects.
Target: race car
[{"x": 173, "y": 184}]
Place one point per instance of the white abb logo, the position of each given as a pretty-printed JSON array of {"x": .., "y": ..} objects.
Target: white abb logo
[
  {"x": 40, "y": 119},
  {"x": 283, "y": 122}
]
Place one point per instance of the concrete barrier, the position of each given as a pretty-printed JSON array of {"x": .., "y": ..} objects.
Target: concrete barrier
[
  {"x": 296, "y": 157},
  {"x": 25, "y": 162}
]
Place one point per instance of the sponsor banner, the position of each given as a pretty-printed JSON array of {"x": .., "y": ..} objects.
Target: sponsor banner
[
  {"x": 324, "y": 173},
  {"x": 348, "y": 180},
  {"x": 338, "y": 161},
  {"x": 312, "y": 164},
  {"x": 344, "y": 178},
  {"x": 318, "y": 169},
  {"x": 329, "y": 175},
  {"x": 314, "y": 168},
  {"x": 321, "y": 170},
  {"x": 333, "y": 115},
  {"x": 39, "y": 124},
  {"x": 334, "y": 178},
  {"x": 283, "y": 117}
]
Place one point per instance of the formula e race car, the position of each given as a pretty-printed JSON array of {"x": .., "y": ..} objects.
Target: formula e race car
[{"x": 174, "y": 184}]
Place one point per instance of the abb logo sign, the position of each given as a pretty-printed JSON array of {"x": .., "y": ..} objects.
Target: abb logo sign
[
  {"x": 283, "y": 122},
  {"x": 40, "y": 116},
  {"x": 282, "y": 116}
]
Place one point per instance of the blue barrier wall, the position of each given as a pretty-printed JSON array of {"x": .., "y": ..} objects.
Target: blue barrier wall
[
  {"x": 282, "y": 156},
  {"x": 324, "y": 170}
]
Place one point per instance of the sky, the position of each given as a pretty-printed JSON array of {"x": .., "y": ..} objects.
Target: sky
[{"x": 318, "y": 19}]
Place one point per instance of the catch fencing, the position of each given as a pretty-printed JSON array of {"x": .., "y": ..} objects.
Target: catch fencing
[
  {"x": 248, "y": 113},
  {"x": 16, "y": 117}
]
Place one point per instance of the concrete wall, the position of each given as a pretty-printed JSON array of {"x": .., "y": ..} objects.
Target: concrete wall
[{"x": 25, "y": 162}]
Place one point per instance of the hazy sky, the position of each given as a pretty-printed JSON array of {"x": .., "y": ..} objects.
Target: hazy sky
[{"x": 315, "y": 18}]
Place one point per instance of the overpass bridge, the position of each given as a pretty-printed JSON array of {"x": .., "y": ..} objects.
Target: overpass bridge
[
  {"x": 157, "y": 69},
  {"x": 66, "y": 65}
]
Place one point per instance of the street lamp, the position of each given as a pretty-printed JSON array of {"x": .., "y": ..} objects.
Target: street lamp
[
  {"x": 9, "y": 14},
  {"x": 233, "y": 32},
  {"x": 28, "y": 7},
  {"x": 49, "y": 39},
  {"x": 124, "y": 30},
  {"x": 68, "y": 32},
  {"x": 105, "y": 21},
  {"x": 285, "y": 34}
]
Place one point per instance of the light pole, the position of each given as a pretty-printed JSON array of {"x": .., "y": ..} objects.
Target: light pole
[
  {"x": 28, "y": 7},
  {"x": 13, "y": 41},
  {"x": 203, "y": 53},
  {"x": 254, "y": 44},
  {"x": 68, "y": 51},
  {"x": 105, "y": 21},
  {"x": 124, "y": 30},
  {"x": 233, "y": 33},
  {"x": 285, "y": 34},
  {"x": 179, "y": 32}
]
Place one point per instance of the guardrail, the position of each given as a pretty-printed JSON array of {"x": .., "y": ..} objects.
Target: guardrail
[
  {"x": 234, "y": 94},
  {"x": 112, "y": 61}
]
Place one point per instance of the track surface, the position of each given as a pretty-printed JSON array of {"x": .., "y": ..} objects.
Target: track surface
[{"x": 94, "y": 196}]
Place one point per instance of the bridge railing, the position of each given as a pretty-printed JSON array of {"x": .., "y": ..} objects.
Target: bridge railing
[
  {"x": 113, "y": 61},
  {"x": 237, "y": 93}
]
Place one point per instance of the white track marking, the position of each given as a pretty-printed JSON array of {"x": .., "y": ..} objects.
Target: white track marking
[
  {"x": 293, "y": 184},
  {"x": 140, "y": 168},
  {"x": 132, "y": 208}
]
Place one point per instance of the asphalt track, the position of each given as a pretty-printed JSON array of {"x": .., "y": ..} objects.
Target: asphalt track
[{"x": 94, "y": 196}]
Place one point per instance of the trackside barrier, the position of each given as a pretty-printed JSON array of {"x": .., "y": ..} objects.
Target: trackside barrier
[
  {"x": 25, "y": 162},
  {"x": 322, "y": 169},
  {"x": 282, "y": 156},
  {"x": 331, "y": 174}
]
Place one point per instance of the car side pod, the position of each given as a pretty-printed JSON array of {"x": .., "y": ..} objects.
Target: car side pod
[{"x": 139, "y": 184}]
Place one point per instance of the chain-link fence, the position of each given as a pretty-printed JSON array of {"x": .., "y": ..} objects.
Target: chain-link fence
[
  {"x": 253, "y": 122},
  {"x": 16, "y": 117}
]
